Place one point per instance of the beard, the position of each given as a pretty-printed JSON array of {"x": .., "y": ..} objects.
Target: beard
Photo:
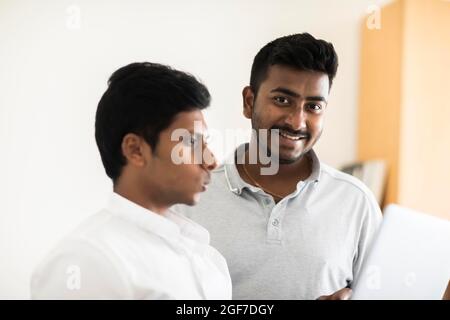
[
  {"x": 309, "y": 142},
  {"x": 265, "y": 145}
]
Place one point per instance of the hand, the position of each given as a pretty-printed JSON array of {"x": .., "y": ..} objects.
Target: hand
[
  {"x": 343, "y": 294},
  {"x": 447, "y": 292}
]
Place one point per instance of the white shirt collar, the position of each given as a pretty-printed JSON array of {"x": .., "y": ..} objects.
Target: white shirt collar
[{"x": 169, "y": 225}]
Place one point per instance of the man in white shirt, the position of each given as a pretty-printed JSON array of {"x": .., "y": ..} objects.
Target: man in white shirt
[
  {"x": 136, "y": 248},
  {"x": 303, "y": 229}
]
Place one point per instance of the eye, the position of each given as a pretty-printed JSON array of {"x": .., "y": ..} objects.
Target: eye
[
  {"x": 190, "y": 141},
  {"x": 193, "y": 141},
  {"x": 315, "y": 107},
  {"x": 281, "y": 100}
]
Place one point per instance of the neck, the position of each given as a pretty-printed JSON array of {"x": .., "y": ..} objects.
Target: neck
[{"x": 146, "y": 199}]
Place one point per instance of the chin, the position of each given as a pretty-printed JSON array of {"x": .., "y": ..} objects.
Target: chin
[
  {"x": 287, "y": 155},
  {"x": 288, "y": 158},
  {"x": 192, "y": 201}
]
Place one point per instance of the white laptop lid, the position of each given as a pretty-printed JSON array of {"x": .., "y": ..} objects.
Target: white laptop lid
[{"x": 410, "y": 258}]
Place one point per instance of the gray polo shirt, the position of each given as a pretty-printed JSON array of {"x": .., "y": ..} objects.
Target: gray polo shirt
[{"x": 311, "y": 243}]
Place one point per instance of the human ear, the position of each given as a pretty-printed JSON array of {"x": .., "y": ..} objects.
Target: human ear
[
  {"x": 133, "y": 149},
  {"x": 248, "y": 98}
]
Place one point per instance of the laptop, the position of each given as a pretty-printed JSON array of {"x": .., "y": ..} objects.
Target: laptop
[{"x": 409, "y": 259}]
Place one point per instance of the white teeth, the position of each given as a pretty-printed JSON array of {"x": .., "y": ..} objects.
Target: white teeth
[{"x": 288, "y": 136}]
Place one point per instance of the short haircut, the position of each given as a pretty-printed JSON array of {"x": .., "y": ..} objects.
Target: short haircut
[
  {"x": 301, "y": 51},
  {"x": 142, "y": 98}
]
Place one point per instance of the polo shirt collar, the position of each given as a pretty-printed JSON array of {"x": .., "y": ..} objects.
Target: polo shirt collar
[{"x": 236, "y": 183}]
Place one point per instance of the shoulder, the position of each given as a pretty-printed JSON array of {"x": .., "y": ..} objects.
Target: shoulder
[
  {"x": 352, "y": 192},
  {"x": 338, "y": 179},
  {"x": 89, "y": 236}
]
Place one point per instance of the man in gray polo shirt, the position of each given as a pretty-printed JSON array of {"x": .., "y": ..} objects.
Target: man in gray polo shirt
[{"x": 303, "y": 232}]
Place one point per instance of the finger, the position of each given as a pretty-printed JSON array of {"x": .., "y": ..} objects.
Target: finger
[{"x": 343, "y": 294}]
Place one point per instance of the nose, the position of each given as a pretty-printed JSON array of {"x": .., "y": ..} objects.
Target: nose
[
  {"x": 209, "y": 160},
  {"x": 297, "y": 119}
]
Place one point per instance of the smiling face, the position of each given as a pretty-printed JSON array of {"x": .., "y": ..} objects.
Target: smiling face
[{"x": 292, "y": 101}]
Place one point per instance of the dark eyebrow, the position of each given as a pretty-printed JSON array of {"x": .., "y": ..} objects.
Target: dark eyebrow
[
  {"x": 316, "y": 98},
  {"x": 297, "y": 95},
  {"x": 286, "y": 91}
]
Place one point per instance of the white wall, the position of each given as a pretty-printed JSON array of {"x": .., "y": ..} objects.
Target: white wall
[{"x": 52, "y": 75}]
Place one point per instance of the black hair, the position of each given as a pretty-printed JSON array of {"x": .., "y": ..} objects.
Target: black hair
[
  {"x": 301, "y": 51},
  {"x": 142, "y": 98}
]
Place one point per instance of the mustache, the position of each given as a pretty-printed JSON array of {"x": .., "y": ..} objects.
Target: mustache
[{"x": 296, "y": 133}]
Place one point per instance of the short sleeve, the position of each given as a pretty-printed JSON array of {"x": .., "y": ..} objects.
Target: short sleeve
[{"x": 370, "y": 225}]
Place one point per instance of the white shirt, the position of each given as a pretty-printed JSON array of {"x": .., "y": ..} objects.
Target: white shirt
[{"x": 128, "y": 252}]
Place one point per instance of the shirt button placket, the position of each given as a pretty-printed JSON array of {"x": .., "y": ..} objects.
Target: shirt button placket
[{"x": 273, "y": 228}]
